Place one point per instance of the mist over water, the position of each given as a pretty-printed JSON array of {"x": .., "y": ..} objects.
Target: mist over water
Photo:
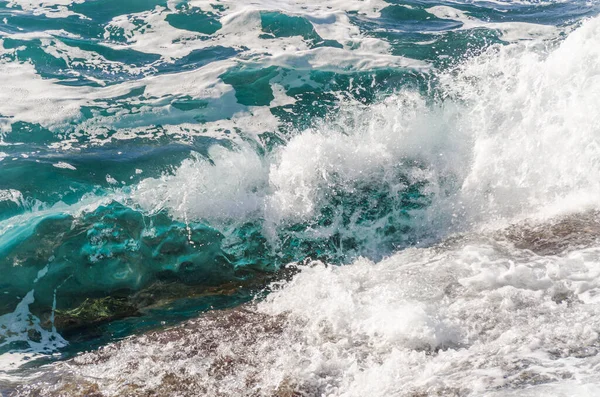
[{"x": 392, "y": 198}]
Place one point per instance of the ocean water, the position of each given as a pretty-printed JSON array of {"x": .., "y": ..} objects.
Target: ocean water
[{"x": 299, "y": 198}]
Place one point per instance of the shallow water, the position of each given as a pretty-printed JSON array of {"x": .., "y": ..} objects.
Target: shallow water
[{"x": 161, "y": 159}]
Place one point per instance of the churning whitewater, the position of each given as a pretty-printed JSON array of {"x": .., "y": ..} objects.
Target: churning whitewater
[{"x": 299, "y": 198}]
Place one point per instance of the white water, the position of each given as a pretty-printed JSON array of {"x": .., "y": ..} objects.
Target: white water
[
  {"x": 533, "y": 151},
  {"x": 515, "y": 137},
  {"x": 477, "y": 317}
]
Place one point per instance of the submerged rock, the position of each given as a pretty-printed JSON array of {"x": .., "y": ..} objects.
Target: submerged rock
[
  {"x": 198, "y": 341},
  {"x": 94, "y": 312},
  {"x": 563, "y": 234}
]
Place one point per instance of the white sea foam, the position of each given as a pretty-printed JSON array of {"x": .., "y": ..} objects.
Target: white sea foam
[
  {"x": 30, "y": 98},
  {"x": 341, "y": 61},
  {"x": 330, "y": 20},
  {"x": 500, "y": 315},
  {"x": 48, "y": 8},
  {"x": 391, "y": 145},
  {"x": 229, "y": 188},
  {"x": 516, "y": 135},
  {"x": 476, "y": 317},
  {"x": 510, "y": 31},
  {"x": 12, "y": 195},
  {"x": 64, "y": 165},
  {"x": 534, "y": 125},
  {"x": 149, "y": 31},
  {"x": 368, "y": 326},
  {"x": 74, "y": 57},
  {"x": 48, "y": 102}
]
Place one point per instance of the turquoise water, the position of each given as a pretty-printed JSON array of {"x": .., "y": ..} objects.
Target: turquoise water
[{"x": 163, "y": 158}]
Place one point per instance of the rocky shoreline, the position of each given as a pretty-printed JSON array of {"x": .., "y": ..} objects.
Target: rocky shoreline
[{"x": 240, "y": 351}]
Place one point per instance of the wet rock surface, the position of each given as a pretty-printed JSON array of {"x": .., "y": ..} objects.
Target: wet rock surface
[
  {"x": 503, "y": 322},
  {"x": 564, "y": 234}
]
